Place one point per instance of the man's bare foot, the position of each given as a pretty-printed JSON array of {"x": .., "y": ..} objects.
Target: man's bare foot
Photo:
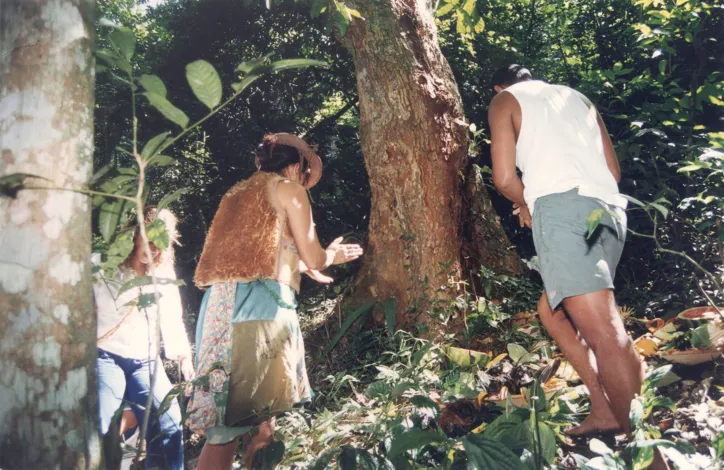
[{"x": 594, "y": 424}]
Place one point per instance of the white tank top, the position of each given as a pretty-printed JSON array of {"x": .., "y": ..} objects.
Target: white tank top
[{"x": 559, "y": 146}]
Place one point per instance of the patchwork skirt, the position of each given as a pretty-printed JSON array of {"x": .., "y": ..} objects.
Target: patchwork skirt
[{"x": 250, "y": 359}]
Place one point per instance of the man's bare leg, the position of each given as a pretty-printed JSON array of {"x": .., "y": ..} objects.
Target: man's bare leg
[
  {"x": 597, "y": 320},
  {"x": 581, "y": 358}
]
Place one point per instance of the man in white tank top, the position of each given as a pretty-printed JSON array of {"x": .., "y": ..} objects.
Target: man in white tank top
[{"x": 556, "y": 137}]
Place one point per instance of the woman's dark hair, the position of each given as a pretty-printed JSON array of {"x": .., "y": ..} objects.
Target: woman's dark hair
[
  {"x": 275, "y": 158},
  {"x": 510, "y": 75}
]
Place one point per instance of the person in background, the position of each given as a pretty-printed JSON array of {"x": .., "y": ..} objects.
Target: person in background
[
  {"x": 127, "y": 344},
  {"x": 557, "y": 139},
  {"x": 248, "y": 336}
]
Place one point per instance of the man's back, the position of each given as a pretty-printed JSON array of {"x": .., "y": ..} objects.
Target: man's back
[{"x": 559, "y": 145}]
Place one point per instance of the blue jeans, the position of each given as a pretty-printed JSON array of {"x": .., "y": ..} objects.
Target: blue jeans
[{"x": 127, "y": 381}]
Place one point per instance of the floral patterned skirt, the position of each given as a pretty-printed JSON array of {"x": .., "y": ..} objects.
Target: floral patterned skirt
[{"x": 250, "y": 359}]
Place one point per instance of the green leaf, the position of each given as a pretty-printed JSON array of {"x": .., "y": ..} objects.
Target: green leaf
[
  {"x": 157, "y": 234},
  {"x": 140, "y": 281},
  {"x": 642, "y": 457},
  {"x": 347, "y": 324},
  {"x": 108, "y": 218},
  {"x": 14, "y": 182},
  {"x": 390, "y": 308},
  {"x": 403, "y": 387},
  {"x": 378, "y": 390},
  {"x": 662, "y": 66},
  {"x": 160, "y": 160},
  {"x": 124, "y": 40},
  {"x": 319, "y": 7},
  {"x": 516, "y": 352},
  {"x": 205, "y": 82},
  {"x": 502, "y": 427},
  {"x": 324, "y": 459},
  {"x": 153, "y": 84},
  {"x": 169, "y": 111},
  {"x": 444, "y": 10},
  {"x": 341, "y": 17},
  {"x": 169, "y": 399},
  {"x": 660, "y": 377},
  {"x": 700, "y": 337},
  {"x": 425, "y": 404},
  {"x": 152, "y": 145},
  {"x": 548, "y": 442},
  {"x": 486, "y": 454},
  {"x": 347, "y": 459},
  {"x": 718, "y": 445},
  {"x": 413, "y": 439},
  {"x": 664, "y": 211},
  {"x": 633, "y": 200},
  {"x": 593, "y": 221},
  {"x": 637, "y": 413},
  {"x": 169, "y": 198}
]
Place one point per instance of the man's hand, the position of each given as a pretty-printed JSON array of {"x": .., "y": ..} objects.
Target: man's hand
[
  {"x": 319, "y": 276},
  {"x": 187, "y": 368},
  {"x": 523, "y": 214}
]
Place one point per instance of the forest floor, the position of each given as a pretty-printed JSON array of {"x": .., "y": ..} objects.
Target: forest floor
[{"x": 397, "y": 401}]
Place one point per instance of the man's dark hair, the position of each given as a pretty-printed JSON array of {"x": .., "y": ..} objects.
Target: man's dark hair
[{"x": 509, "y": 75}]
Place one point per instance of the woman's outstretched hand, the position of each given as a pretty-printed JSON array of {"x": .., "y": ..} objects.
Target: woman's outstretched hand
[
  {"x": 318, "y": 276},
  {"x": 343, "y": 252}
]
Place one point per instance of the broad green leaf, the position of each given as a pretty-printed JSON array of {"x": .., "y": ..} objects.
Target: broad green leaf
[
  {"x": 516, "y": 352},
  {"x": 637, "y": 413},
  {"x": 425, "y": 403},
  {"x": 662, "y": 66},
  {"x": 319, "y": 7},
  {"x": 347, "y": 459},
  {"x": 479, "y": 26},
  {"x": 103, "y": 171},
  {"x": 413, "y": 439},
  {"x": 642, "y": 457},
  {"x": 403, "y": 387},
  {"x": 124, "y": 40},
  {"x": 249, "y": 65},
  {"x": 160, "y": 160},
  {"x": 153, "y": 84},
  {"x": 169, "y": 111},
  {"x": 157, "y": 234},
  {"x": 660, "y": 377},
  {"x": 377, "y": 390},
  {"x": 486, "y": 454},
  {"x": 108, "y": 218},
  {"x": 599, "y": 447},
  {"x": 108, "y": 56},
  {"x": 548, "y": 442},
  {"x": 140, "y": 281},
  {"x": 169, "y": 198},
  {"x": 633, "y": 200},
  {"x": 353, "y": 317},
  {"x": 153, "y": 144},
  {"x": 341, "y": 17},
  {"x": 169, "y": 400},
  {"x": 700, "y": 337},
  {"x": 119, "y": 250},
  {"x": 444, "y": 10},
  {"x": 593, "y": 221},
  {"x": 718, "y": 445},
  {"x": 389, "y": 306},
  {"x": 501, "y": 427},
  {"x": 663, "y": 210},
  {"x": 205, "y": 82},
  {"x": 14, "y": 182}
]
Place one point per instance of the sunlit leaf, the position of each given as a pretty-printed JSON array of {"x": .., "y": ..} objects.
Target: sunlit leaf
[
  {"x": 140, "y": 281},
  {"x": 663, "y": 210},
  {"x": 205, "y": 82},
  {"x": 413, "y": 439},
  {"x": 160, "y": 160},
  {"x": 487, "y": 454},
  {"x": 169, "y": 111},
  {"x": 153, "y": 84},
  {"x": 124, "y": 40},
  {"x": 169, "y": 198},
  {"x": 153, "y": 144},
  {"x": 157, "y": 234},
  {"x": 108, "y": 218},
  {"x": 319, "y": 7}
]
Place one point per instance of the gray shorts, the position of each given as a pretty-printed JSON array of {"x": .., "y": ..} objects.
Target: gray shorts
[{"x": 569, "y": 264}]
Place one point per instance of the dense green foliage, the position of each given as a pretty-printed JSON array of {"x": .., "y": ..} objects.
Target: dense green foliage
[{"x": 652, "y": 67}]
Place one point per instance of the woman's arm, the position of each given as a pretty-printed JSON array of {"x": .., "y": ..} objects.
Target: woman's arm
[{"x": 175, "y": 340}]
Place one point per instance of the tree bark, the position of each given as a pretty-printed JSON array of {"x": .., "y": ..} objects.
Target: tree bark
[
  {"x": 48, "y": 404},
  {"x": 415, "y": 142}
]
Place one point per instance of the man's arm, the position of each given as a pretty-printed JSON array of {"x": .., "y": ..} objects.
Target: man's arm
[
  {"x": 502, "y": 136},
  {"x": 608, "y": 151}
]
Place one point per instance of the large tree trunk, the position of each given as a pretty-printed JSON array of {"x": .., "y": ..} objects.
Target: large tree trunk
[
  {"x": 415, "y": 141},
  {"x": 48, "y": 408}
]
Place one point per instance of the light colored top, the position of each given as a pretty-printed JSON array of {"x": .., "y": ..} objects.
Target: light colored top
[
  {"x": 559, "y": 145},
  {"x": 136, "y": 337}
]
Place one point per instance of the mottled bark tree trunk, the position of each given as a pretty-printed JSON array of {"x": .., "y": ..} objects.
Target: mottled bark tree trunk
[
  {"x": 415, "y": 141},
  {"x": 48, "y": 408}
]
